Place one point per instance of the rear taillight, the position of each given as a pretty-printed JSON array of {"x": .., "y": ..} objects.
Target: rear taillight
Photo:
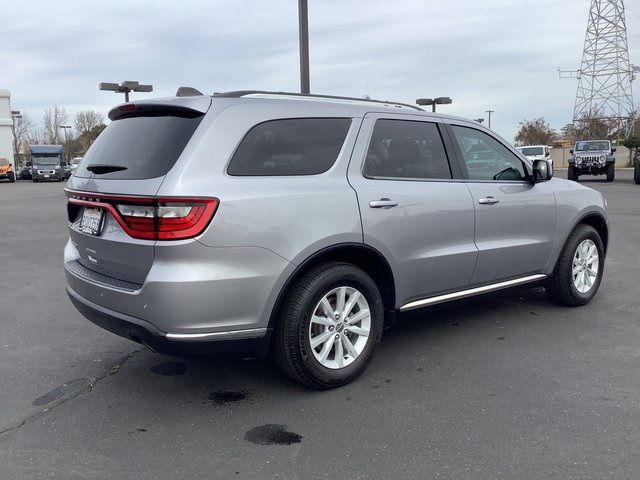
[{"x": 154, "y": 218}]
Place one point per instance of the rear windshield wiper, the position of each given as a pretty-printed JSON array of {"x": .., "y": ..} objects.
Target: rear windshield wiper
[{"x": 100, "y": 168}]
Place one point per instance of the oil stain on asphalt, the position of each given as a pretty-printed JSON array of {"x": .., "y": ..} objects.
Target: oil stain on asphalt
[
  {"x": 169, "y": 368},
  {"x": 223, "y": 397},
  {"x": 272, "y": 434}
]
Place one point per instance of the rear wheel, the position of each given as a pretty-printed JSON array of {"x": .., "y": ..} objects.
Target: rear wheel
[
  {"x": 578, "y": 272},
  {"x": 11, "y": 177},
  {"x": 636, "y": 173},
  {"x": 571, "y": 173},
  {"x": 611, "y": 172},
  {"x": 330, "y": 327}
]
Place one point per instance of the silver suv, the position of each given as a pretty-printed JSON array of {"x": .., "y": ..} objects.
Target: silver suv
[{"x": 254, "y": 222}]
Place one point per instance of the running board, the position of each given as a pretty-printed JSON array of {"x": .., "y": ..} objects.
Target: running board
[{"x": 471, "y": 292}]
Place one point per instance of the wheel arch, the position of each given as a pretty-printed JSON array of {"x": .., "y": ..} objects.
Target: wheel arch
[
  {"x": 363, "y": 256},
  {"x": 598, "y": 222}
]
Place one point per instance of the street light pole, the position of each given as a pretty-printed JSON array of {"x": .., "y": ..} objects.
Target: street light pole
[
  {"x": 303, "y": 28},
  {"x": 489, "y": 112},
  {"x": 434, "y": 101},
  {"x": 65, "y": 128},
  {"x": 125, "y": 87}
]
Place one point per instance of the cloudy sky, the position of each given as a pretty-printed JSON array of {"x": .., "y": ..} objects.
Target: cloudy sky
[{"x": 495, "y": 54}]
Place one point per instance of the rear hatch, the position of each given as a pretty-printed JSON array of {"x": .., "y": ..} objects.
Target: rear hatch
[{"x": 112, "y": 200}]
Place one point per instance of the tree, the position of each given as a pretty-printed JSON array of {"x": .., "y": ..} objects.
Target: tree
[
  {"x": 535, "y": 132},
  {"x": 22, "y": 128},
  {"x": 87, "y": 120},
  {"x": 53, "y": 118},
  {"x": 632, "y": 142},
  {"x": 88, "y": 137},
  {"x": 591, "y": 127}
]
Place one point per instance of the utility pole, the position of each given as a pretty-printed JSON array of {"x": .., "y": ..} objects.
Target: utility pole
[
  {"x": 605, "y": 75},
  {"x": 489, "y": 112},
  {"x": 303, "y": 28}
]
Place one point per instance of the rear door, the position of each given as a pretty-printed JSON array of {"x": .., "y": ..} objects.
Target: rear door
[
  {"x": 129, "y": 158},
  {"x": 515, "y": 219},
  {"x": 414, "y": 210}
]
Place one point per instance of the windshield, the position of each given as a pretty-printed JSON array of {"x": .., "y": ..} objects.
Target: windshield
[
  {"x": 46, "y": 160},
  {"x": 76, "y": 161},
  {"x": 532, "y": 151},
  {"x": 591, "y": 146}
]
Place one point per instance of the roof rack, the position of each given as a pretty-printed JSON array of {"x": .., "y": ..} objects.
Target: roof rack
[{"x": 242, "y": 93}]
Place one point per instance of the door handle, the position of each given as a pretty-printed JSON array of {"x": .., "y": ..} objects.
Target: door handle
[
  {"x": 488, "y": 200},
  {"x": 383, "y": 203}
]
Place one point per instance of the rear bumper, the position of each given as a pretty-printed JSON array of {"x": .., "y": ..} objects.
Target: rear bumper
[{"x": 243, "y": 343}]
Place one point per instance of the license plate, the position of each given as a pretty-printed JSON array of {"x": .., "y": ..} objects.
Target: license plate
[
  {"x": 46, "y": 176},
  {"x": 91, "y": 221}
]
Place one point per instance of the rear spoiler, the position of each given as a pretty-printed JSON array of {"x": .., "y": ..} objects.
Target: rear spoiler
[{"x": 191, "y": 107}]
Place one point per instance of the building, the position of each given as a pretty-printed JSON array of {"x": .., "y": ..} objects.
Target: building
[{"x": 6, "y": 128}]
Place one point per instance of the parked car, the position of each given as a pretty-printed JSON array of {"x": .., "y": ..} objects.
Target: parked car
[
  {"x": 252, "y": 221},
  {"x": 6, "y": 171},
  {"x": 592, "y": 157},
  {"x": 536, "y": 152},
  {"x": 636, "y": 167},
  {"x": 66, "y": 170},
  {"x": 74, "y": 164},
  {"x": 25, "y": 171}
]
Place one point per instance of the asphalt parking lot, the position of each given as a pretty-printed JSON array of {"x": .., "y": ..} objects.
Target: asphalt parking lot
[{"x": 507, "y": 386}]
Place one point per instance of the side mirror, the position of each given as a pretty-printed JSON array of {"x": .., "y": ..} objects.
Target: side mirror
[
  {"x": 571, "y": 151},
  {"x": 613, "y": 150},
  {"x": 542, "y": 171},
  {"x": 547, "y": 154}
]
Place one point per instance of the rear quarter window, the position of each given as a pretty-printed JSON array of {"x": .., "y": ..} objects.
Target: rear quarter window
[
  {"x": 299, "y": 146},
  {"x": 148, "y": 146}
]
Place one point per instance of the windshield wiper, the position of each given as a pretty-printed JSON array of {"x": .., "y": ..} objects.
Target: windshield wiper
[{"x": 100, "y": 168}]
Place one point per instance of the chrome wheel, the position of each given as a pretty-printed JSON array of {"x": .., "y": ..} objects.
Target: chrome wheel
[
  {"x": 585, "y": 266},
  {"x": 340, "y": 327}
]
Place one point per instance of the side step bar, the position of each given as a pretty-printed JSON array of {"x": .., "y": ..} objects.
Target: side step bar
[{"x": 470, "y": 292}]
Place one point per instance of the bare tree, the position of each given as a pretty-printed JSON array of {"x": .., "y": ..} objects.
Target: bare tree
[
  {"x": 22, "y": 128},
  {"x": 53, "y": 118},
  {"x": 86, "y": 120},
  {"x": 535, "y": 132}
]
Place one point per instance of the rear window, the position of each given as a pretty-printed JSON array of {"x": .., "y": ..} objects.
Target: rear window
[
  {"x": 148, "y": 146},
  {"x": 300, "y": 146}
]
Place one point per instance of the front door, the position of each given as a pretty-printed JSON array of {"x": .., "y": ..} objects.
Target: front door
[
  {"x": 515, "y": 219},
  {"x": 414, "y": 210}
]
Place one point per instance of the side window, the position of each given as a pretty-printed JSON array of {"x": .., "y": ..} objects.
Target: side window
[
  {"x": 298, "y": 146},
  {"x": 406, "y": 149},
  {"x": 486, "y": 158}
]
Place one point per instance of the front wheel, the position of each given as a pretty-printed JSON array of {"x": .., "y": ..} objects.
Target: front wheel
[
  {"x": 636, "y": 173},
  {"x": 578, "y": 272},
  {"x": 571, "y": 173},
  {"x": 11, "y": 177},
  {"x": 330, "y": 327},
  {"x": 611, "y": 172}
]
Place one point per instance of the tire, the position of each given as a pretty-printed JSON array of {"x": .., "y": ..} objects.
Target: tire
[
  {"x": 34, "y": 180},
  {"x": 611, "y": 172},
  {"x": 636, "y": 173},
  {"x": 293, "y": 335},
  {"x": 571, "y": 173},
  {"x": 11, "y": 177},
  {"x": 561, "y": 285}
]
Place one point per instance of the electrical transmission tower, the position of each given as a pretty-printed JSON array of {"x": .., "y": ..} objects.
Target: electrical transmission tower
[{"x": 605, "y": 75}]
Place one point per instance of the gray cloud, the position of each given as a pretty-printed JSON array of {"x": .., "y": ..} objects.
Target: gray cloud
[{"x": 500, "y": 54}]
